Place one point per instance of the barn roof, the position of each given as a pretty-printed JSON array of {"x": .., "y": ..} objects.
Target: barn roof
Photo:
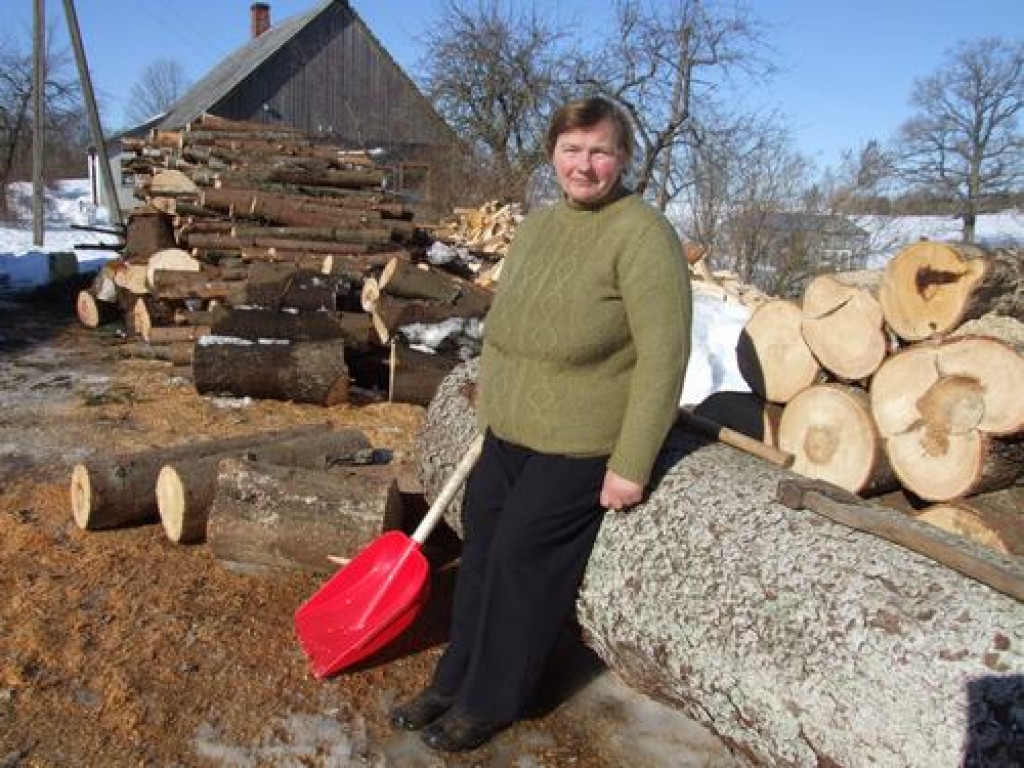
[{"x": 224, "y": 77}]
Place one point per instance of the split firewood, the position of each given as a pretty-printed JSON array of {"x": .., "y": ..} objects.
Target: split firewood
[
  {"x": 844, "y": 328},
  {"x": 930, "y": 288},
  {"x": 276, "y": 369},
  {"x": 830, "y": 432},
  {"x": 265, "y": 516},
  {"x": 773, "y": 357},
  {"x": 185, "y": 488},
  {"x": 107, "y": 493}
]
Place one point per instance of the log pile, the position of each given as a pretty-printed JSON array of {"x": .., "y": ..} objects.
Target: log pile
[
  {"x": 295, "y": 499},
  {"x": 798, "y": 641},
  {"x": 903, "y": 379},
  {"x": 241, "y": 226}
]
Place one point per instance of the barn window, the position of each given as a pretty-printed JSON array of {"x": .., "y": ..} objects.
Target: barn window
[{"x": 412, "y": 180}]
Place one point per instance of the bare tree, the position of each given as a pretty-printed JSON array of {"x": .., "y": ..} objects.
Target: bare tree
[
  {"x": 493, "y": 73},
  {"x": 62, "y": 99},
  {"x": 964, "y": 140},
  {"x": 665, "y": 62},
  {"x": 159, "y": 86}
]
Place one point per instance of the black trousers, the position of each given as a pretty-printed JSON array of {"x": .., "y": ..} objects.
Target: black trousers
[{"x": 529, "y": 521}]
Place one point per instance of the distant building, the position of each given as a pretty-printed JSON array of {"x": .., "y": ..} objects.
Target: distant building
[
  {"x": 325, "y": 73},
  {"x": 831, "y": 243}
]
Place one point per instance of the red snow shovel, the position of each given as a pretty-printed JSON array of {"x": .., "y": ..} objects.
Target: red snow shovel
[{"x": 375, "y": 597}]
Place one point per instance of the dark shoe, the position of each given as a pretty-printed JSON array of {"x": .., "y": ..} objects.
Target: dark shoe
[
  {"x": 456, "y": 732},
  {"x": 422, "y": 709}
]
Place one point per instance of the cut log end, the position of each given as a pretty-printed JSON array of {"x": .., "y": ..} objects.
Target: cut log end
[
  {"x": 81, "y": 496},
  {"x": 170, "y": 501}
]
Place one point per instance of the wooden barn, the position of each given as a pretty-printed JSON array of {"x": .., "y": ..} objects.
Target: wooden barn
[{"x": 325, "y": 73}]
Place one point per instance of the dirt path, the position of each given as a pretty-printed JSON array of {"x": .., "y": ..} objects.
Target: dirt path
[{"x": 121, "y": 649}]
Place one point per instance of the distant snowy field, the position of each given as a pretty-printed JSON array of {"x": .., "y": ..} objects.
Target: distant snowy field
[{"x": 716, "y": 328}]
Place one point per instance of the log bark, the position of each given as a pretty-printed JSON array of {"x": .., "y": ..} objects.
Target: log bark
[
  {"x": 844, "y": 328},
  {"x": 798, "y": 641},
  {"x": 108, "y": 493},
  {"x": 772, "y": 355},
  {"x": 830, "y": 432},
  {"x": 406, "y": 280},
  {"x": 930, "y": 288},
  {"x": 994, "y": 520},
  {"x": 268, "y": 517},
  {"x": 185, "y": 488},
  {"x": 197, "y": 285},
  {"x": 298, "y": 371},
  {"x": 175, "y": 353},
  {"x": 283, "y": 286}
]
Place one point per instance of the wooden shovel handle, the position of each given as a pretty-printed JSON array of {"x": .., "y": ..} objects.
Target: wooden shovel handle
[
  {"x": 451, "y": 487},
  {"x": 738, "y": 440}
]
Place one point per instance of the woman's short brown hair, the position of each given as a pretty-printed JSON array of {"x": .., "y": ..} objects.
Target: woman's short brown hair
[{"x": 586, "y": 113}]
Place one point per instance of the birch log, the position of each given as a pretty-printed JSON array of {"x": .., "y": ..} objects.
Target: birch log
[{"x": 798, "y": 641}]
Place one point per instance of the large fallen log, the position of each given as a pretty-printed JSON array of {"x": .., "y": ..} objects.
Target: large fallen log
[
  {"x": 107, "y": 493},
  {"x": 265, "y": 516},
  {"x": 798, "y": 641},
  {"x": 185, "y": 487}
]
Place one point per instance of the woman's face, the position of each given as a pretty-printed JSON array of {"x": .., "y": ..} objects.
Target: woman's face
[{"x": 588, "y": 162}]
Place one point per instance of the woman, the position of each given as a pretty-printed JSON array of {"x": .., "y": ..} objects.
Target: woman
[{"x": 584, "y": 353}]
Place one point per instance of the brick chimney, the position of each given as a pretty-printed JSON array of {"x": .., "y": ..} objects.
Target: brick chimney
[{"x": 259, "y": 18}]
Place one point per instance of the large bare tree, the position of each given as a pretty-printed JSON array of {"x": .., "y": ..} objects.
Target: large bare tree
[
  {"x": 964, "y": 141},
  {"x": 493, "y": 72},
  {"x": 669, "y": 63},
  {"x": 159, "y": 86}
]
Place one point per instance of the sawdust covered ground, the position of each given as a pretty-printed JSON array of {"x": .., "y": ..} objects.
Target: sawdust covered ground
[{"x": 119, "y": 648}]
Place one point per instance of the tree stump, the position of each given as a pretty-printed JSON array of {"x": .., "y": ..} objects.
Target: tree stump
[{"x": 800, "y": 642}]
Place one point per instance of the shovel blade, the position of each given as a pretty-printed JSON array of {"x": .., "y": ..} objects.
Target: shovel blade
[{"x": 365, "y": 605}]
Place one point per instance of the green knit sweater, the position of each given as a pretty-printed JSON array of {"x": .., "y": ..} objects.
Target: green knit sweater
[{"x": 586, "y": 342}]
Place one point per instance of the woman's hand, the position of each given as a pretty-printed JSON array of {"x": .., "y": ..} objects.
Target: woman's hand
[{"x": 617, "y": 493}]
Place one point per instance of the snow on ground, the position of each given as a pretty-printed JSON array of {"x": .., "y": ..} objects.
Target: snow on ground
[
  {"x": 896, "y": 232},
  {"x": 23, "y": 265}
]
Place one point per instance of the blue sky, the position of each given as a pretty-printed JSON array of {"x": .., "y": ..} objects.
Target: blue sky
[{"x": 846, "y": 67}]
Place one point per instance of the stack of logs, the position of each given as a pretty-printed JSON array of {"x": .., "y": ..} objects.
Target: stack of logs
[
  {"x": 298, "y": 498},
  {"x": 900, "y": 384},
  {"x": 249, "y": 257}
]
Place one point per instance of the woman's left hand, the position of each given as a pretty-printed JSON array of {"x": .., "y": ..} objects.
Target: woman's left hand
[{"x": 617, "y": 493}]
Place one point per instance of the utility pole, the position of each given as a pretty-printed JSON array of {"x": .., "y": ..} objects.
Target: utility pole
[
  {"x": 38, "y": 120},
  {"x": 113, "y": 204}
]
